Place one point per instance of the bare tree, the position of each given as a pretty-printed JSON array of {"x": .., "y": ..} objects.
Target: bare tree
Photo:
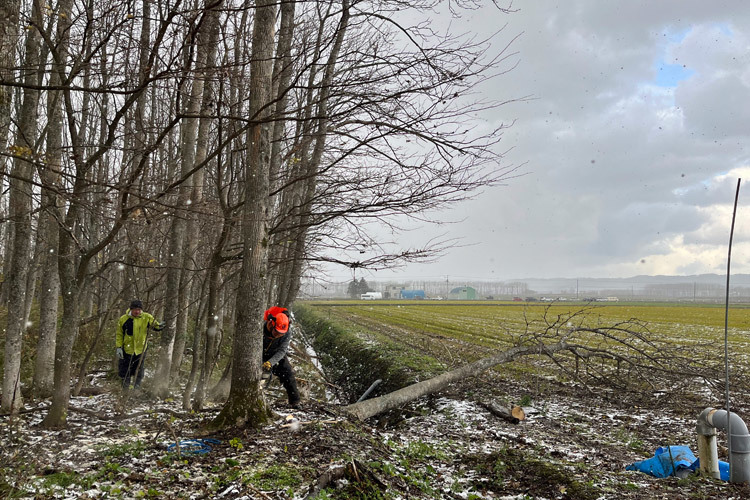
[
  {"x": 155, "y": 136},
  {"x": 49, "y": 289},
  {"x": 75, "y": 256},
  {"x": 9, "y": 41},
  {"x": 245, "y": 405},
  {"x": 20, "y": 216},
  {"x": 382, "y": 131},
  {"x": 206, "y": 31}
]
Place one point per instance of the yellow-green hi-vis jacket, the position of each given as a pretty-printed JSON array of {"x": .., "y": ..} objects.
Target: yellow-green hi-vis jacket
[{"x": 132, "y": 332}]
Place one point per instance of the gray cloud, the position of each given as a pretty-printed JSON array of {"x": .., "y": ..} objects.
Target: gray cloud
[{"x": 624, "y": 176}]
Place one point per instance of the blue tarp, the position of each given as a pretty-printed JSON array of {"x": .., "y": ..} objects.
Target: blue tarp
[
  {"x": 723, "y": 468},
  {"x": 665, "y": 464}
]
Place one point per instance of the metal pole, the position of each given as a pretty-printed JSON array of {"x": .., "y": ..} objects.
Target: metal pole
[
  {"x": 726, "y": 324},
  {"x": 369, "y": 390}
]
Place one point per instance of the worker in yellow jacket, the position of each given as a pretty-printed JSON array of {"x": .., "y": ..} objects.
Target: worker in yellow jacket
[{"x": 131, "y": 342}]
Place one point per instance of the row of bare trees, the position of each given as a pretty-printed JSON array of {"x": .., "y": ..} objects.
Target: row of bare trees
[{"x": 202, "y": 155}]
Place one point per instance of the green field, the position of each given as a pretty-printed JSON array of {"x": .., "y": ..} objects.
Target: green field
[
  {"x": 493, "y": 320},
  {"x": 678, "y": 337}
]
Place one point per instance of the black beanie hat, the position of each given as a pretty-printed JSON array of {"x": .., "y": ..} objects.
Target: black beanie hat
[{"x": 136, "y": 304}]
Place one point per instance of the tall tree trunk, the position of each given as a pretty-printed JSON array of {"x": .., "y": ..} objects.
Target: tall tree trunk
[
  {"x": 9, "y": 34},
  {"x": 212, "y": 327},
  {"x": 33, "y": 272},
  {"x": 49, "y": 294},
  {"x": 20, "y": 216},
  {"x": 246, "y": 405},
  {"x": 50, "y": 280},
  {"x": 192, "y": 235},
  {"x": 58, "y": 412},
  {"x": 282, "y": 75},
  {"x": 177, "y": 234},
  {"x": 213, "y": 317},
  {"x": 195, "y": 366}
]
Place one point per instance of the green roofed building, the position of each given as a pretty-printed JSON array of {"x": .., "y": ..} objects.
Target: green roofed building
[{"x": 463, "y": 293}]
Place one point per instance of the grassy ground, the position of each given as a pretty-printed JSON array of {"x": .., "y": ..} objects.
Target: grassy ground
[
  {"x": 457, "y": 332},
  {"x": 581, "y": 437},
  {"x": 575, "y": 443},
  {"x": 495, "y": 315}
]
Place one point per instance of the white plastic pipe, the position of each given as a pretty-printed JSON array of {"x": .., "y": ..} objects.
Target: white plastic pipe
[{"x": 739, "y": 458}]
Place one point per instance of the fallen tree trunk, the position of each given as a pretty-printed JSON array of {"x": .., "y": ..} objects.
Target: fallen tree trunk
[{"x": 371, "y": 407}]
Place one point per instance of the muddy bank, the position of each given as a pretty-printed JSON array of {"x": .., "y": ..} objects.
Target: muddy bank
[{"x": 353, "y": 358}]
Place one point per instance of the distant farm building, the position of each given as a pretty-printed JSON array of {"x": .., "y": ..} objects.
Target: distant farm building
[
  {"x": 392, "y": 291},
  {"x": 463, "y": 293},
  {"x": 412, "y": 294}
]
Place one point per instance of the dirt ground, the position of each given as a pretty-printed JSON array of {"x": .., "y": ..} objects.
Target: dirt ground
[{"x": 574, "y": 444}]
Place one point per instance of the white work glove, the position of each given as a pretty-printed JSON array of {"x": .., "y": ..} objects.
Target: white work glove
[{"x": 120, "y": 353}]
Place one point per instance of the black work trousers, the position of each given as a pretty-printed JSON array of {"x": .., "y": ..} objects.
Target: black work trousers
[
  {"x": 283, "y": 370},
  {"x": 127, "y": 368}
]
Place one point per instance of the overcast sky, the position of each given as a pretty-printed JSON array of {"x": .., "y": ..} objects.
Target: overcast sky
[{"x": 632, "y": 147}]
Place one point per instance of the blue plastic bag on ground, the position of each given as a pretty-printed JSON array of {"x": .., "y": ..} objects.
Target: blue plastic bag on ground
[
  {"x": 677, "y": 463},
  {"x": 664, "y": 463}
]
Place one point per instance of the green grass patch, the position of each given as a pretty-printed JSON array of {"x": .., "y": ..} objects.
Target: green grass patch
[{"x": 276, "y": 477}]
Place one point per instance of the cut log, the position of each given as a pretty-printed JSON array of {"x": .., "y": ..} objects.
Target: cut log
[
  {"x": 512, "y": 415},
  {"x": 371, "y": 407},
  {"x": 518, "y": 412}
]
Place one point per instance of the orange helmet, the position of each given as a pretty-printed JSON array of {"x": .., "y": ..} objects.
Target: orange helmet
[
  {"x": 280, "y": 323},
  {"x": 273, "y": 312}
]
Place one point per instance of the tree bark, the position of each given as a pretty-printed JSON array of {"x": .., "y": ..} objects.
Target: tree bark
[
  {"x": 177, "y": 234},
  {"x": 57, "y": 416},
  {"x": 282, "y": 75},
  {"x": 50, "y": 281},
  {"x": 195, "y": 366},
  {"x": 20, "y": 217},
  {"x": 9, "y": 35},
  {"x": 371, "y": 407},
  {"x": 246, "y": 405},
  {"x": 49, "y": 294},
  {"x": 212, "y": 324},
  {"x": 192, "y": 231}
]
